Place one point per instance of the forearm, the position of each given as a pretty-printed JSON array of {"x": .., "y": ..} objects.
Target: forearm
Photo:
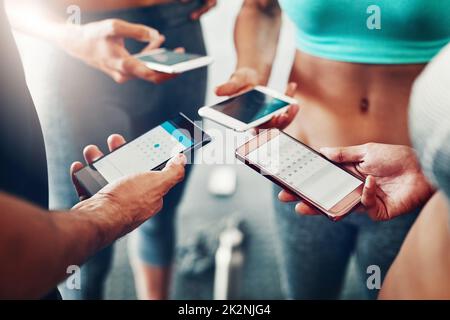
[
  {"x": 40, "y": 19},
  {"x": 256, "y": 36},
  {"x": 37, "y": 247}
]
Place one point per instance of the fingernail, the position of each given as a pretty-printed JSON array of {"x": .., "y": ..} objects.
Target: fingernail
[
  {"x": 181, "y": 159},
  {"x": 367, "y": 183}
]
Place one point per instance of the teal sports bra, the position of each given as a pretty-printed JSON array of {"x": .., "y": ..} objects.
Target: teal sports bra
[{"x": 371, "y": 31}]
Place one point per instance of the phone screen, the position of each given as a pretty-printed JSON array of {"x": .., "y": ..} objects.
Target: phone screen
[
  {"x": 145, "y": 153},
  {"x": 169, "y": 58},
  {"x": 313, "y": 176},
  {"x": 250, "y": 106}
]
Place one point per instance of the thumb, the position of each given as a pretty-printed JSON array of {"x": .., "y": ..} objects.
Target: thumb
[
  {"x": 75, "y": 167},
  {"x": 173, "y": 172},
  {"x": 236, "y": 84},
  {"x": 291, "y": 89},
  {"x": 344, "y": 154},
  {"x": 228, "y": 89}
]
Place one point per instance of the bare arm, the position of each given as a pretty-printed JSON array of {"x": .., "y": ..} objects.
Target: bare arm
[
  {"x": 256, "y": 35},
  {"x": 38, "y": 18},
  {"x": 36, "y": 246},
  {"x": 99, "y": 44}
]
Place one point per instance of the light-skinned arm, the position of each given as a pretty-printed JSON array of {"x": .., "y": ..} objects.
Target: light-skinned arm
[{"x": 99, "y": 44}]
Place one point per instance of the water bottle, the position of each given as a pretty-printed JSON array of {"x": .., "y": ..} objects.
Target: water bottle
[{"x": 229, "y": 263}]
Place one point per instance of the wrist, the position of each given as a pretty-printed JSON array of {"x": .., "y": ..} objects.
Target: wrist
[
  {"x": 103, "y": 217},
  {"x": 261, "y": 74}
]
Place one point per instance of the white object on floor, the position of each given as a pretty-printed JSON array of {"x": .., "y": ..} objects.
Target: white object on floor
[{"x": 222, "y": 181}]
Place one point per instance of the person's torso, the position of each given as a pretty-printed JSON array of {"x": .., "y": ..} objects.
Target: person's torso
[
  {"x": 344, "y": 104},
  {"x": 23, "y": 165},
  {"x": 366, "y": 31},
  {"x": 23, "y": 168},
  {"x": 355, "y": 75}
]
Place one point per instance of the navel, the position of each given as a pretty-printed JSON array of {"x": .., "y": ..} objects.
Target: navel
[{"x": 364, "y": 105}]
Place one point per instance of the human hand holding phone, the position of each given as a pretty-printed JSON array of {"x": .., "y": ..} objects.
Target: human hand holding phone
[
  {"x": 289, "y": 163},
  {"x": 135, "y": 197},
  {"x": 102, "y": 46},
  {"x": 245, "y": 79},
  {"x": 282, "y": 121},
  {"x": 394, "y": 182}
]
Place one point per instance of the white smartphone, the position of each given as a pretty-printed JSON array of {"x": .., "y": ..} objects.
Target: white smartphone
[
  {"x": 247, "y": 110},
  {"x": 303, "y": 171},
  {"x": 169, "y": 61}
]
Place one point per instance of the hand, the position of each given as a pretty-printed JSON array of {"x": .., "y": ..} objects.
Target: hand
[
  {"x": 283, "y": 120},
  {"x": 137, "y": 197},
  {"x": 240, "y": 81},
  {"x": 207, "y": 5},
  {"x": 394, "y": 182},
  {"x": 102, "y": 46},
  {"x": 245, "y": 79}
]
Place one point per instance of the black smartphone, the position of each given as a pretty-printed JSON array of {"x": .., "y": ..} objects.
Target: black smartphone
[{"x": 149, "y": 152}]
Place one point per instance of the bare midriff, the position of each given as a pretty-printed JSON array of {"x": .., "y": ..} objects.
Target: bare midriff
[{"x": 350, "y": 103}]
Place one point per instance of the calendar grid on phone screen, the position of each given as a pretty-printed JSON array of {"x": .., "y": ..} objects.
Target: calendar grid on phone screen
[{"x": 316, "y": 178}]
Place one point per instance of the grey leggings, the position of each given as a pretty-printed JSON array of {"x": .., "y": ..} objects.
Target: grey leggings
[{"x": 314, "y": 252}]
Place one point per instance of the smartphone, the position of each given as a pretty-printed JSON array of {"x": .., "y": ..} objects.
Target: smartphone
[
  {"x": 303, "y": 171},
  {"x": 247, "y": 110},
  {"x": 150, "y": 151},
  {"x": 168, "y": 61}
]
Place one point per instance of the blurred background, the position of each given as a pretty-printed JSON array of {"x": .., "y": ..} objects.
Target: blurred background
[{"x": 202, "y": 216}]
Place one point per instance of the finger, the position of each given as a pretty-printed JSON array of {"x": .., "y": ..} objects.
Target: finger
[
  {"x": 291, "y": 89},
  {"x": 286, "y": 118},
  {"x": 92, "y": 153},
  {"x": 137, "y": 69},
  {"x": 345, "y": 154},
  {"x": 208, "y": 6},
  {"x": 155, "y": 44},
  {"x": 115, "y": 75},
  {"x": 286, "y": 196},
  {"x": 115, "y": 141},
  {"x": 305, "y": 209},
  {"x": 120, "y": 28},
  {"x": 230, "y": 88},
  {"x": 272, "y": 123},
  {"x": 180, "y": 50},
  {"x": 75, "y": 167},
  {"x": 173, "y": 171},
  {"x": 281, "y": 121},
  {"x": 369, "y": 195}
]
